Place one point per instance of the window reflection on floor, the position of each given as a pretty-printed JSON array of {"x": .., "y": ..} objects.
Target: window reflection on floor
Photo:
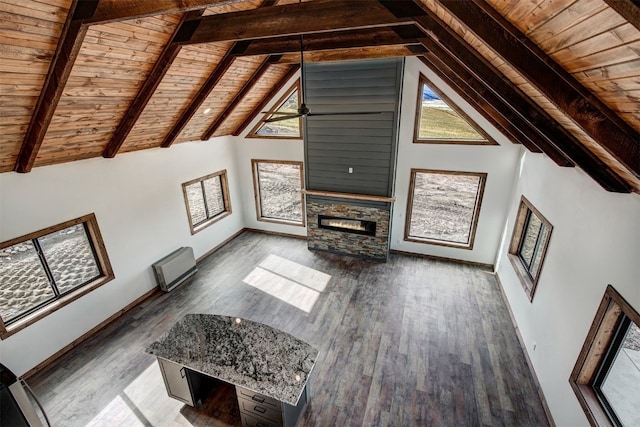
[{"x": 288, "y": 281}]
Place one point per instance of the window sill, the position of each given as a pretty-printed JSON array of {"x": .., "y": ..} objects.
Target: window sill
[
  {"x": 52, "y": 307},
  {"x": 198, "y": 228},
  {"x": 455, "y": 141},
  {"x": 528, "y": 285},
  {"x": 282, "y": 221},
  {"x": 468, "y": 246},
  {"x": 595, "y": 413}
]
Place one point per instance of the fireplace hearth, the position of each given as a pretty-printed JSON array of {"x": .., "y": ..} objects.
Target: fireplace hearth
[{"x": 346, "y": 225}]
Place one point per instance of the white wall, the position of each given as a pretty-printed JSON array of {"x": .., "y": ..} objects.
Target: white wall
[
  {"x": 499, "y": 162},
  {"x": 138, "y": 202},
  {"x": 247, "y": 149},
  {"x": 595, "y": 242}
]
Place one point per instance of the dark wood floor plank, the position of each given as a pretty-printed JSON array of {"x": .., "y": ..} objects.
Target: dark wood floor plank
[{"x": 410, "y": 342}]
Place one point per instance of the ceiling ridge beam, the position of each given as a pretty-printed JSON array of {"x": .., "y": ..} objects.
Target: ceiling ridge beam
[
  {"x": 246, "y": 88},
  {"x": 603, "y": 125},
  {"x": 69, "y": 44},
  {"x": 338, "y": 40},
  {"x": 137, "y": 106},
  {"x": 293, "y": 69},
  {"x": 294, "y": 19}
]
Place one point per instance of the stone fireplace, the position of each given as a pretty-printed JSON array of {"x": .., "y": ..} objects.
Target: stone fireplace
[{"x": 348, "y": 226}]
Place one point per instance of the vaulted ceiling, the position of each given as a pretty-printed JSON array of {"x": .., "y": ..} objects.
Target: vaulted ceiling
[{"x": 91, "y": 78}]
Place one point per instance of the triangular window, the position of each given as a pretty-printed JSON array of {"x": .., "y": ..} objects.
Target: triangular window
[
  {"x": 283, "y": 129},
  {"x": 440, "y": 121}
]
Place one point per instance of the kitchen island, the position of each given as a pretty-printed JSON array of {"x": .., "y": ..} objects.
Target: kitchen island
[{"x": 268, "y": 367}]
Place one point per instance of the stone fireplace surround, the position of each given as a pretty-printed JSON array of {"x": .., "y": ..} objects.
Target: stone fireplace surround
[{"x": 342, "y": 242}]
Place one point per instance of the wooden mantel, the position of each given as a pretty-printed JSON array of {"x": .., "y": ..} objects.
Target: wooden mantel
[{"x": 350, "y": 196}]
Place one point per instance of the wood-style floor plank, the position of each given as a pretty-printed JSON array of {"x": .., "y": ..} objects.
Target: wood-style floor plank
[{"x": 410, "y": 342}]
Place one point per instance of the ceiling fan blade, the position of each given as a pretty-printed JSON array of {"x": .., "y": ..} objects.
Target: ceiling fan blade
[
  {"x": 278, "y": 119},
  {"x": 345, "y": 113},
  {"x": 290, "y": 113}
]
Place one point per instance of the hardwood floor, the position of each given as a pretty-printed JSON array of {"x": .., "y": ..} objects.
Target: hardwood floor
[{"x": 410, "y": 342}]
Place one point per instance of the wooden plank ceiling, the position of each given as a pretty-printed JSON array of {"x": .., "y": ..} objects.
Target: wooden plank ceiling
[{"x": 91, "y": 78}]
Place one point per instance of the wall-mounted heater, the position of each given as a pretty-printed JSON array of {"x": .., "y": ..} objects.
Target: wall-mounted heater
[{"x": 175, "y": 268}]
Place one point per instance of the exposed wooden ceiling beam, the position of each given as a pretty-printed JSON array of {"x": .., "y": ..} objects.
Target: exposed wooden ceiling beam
[
  {"x": 487, "y": 82},
  {"x": 466, "y": 83},
  {"x": 573, "y": 99},
  {"x": 628, "y": 9},
  {"x": 209, "y": 84},
  {"x": 399, "y": 35},
  {"x": 294, "y": 19},
  {"x": 202, "y": 94},
  {"x": 521, "y": 130},
  {"x": 119, "y": 10},
  {"x": 461, "y": 85},
  {"x": 246, "y": 88},
  {"x": 293, "y": 69},
  {"x": 147, "y": 90},
  {"x": 69, "y": 44},
  {"x": 457, "y": 83}
]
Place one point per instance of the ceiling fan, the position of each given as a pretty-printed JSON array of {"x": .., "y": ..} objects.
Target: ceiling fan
[{"x": 303, "y": 110}]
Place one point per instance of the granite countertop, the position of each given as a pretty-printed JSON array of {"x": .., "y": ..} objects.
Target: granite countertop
[{"x": 240, "y": 352}]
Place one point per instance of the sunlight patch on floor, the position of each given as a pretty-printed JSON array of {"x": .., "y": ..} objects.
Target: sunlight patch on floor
[
  {"x": 144, "y": 402},
  {"x": 293, "y": 283}
]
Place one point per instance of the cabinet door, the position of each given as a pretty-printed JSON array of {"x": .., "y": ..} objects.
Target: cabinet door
[{"x": 176, "y": 379}]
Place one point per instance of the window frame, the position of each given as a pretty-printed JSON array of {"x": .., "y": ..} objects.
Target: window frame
[
  {"x": 528, "y": 280},
  {"x": 256, "y": 191},
  {"x": 474, "y": 219},
  {"x": 423, "y": 80},
  {"x": 598, "y": 343},
  {"x": 224, "y": 187},
  {"x": 101, "y": 259},
  {"x": 277, "y": 105}
]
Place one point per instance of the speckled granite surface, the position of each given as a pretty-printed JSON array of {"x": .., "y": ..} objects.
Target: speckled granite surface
[{"x": 241, "y": 352}]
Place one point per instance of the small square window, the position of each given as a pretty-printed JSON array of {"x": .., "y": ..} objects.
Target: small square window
[
  {"x": 443, "y": 207},
  {"x": 278, "y": 186},
  {"x": 531, "y": 234},
  {"x": 207, "y": 200},
  {"x": 606, "y": 378}
]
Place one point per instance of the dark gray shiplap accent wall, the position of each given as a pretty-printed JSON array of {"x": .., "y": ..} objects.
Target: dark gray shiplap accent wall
[{"x": 366, "y": 143}]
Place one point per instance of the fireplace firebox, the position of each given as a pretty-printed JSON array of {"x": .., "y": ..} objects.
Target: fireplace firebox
[{"x": 347, "y": 225}]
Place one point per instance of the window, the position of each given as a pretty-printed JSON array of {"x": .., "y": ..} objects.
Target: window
[
  {"x": 283, "y": 129},
  {"x": 531, "y": 234},
  {"x": 43, "y": 271},
  {"x": 207, "y": 200},
  {"x": 443, "y": 207},
  {"x": 606, "y": 378},
  {"x": 277, "y": 186},
  {"x": 440, "y": 121}
]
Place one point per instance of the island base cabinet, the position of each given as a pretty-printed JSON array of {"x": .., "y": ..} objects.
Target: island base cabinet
[
  {"x": 177, "y": 381},
  {"x": 249, "y": 420},
  {"x": 257, "y": 410}
]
